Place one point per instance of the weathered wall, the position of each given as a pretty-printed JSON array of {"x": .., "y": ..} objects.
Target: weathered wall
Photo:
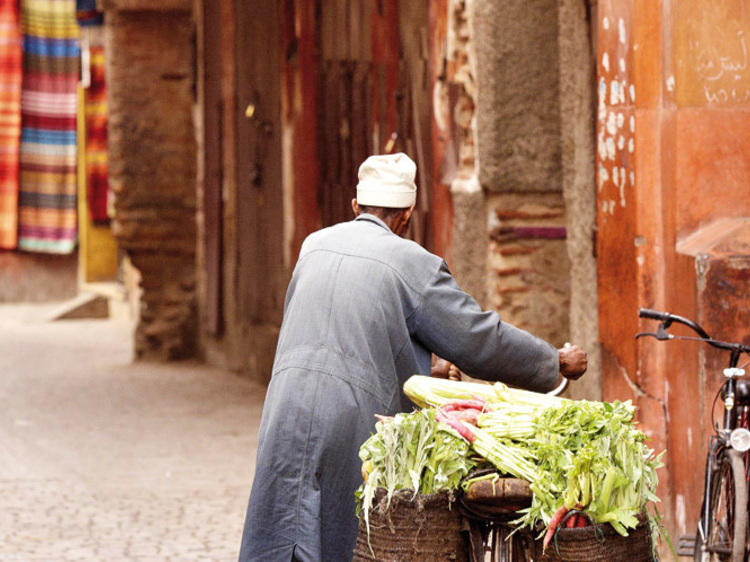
[
  {"x": 534, "y": 142},
  {"x": 672, "y": 164},
  {"x": 37, "y": 277},
  {"x": 152, "y": 165},
  {"x": 577, "y": 51}
]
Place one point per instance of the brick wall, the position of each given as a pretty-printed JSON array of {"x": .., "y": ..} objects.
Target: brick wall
[{"x": 150, "y": 50}]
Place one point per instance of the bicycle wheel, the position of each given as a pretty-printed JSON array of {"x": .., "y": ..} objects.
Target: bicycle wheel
[{"x": 727, "y": 527}]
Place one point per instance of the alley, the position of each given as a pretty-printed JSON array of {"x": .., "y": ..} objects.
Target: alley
[{"x": 103, "y": 459}]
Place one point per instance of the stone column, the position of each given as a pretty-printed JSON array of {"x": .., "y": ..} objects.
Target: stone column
[{"x": 151, "y": 72}]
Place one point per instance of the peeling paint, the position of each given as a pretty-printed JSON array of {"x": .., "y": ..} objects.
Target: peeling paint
[
  {"x": 632, "y": 93},
  {"x": 680, "y": 511},
  {"x": 611, "y": 123},
  {"x": 621, "y": 31},
  {"x": 614, "y": 94},
  {"x": 622, "y": 64},
  {"x": 605, "y": 61},
  {"x": 632, "y": 123},
  {"x": 631, "y": 146},
  {"x": 605, "y": 23},
  {"x": 670, "y": 83},
  {"x": 620, "y": 142},
  {"x": 611, "y": 148},
  {"x": 620, "y": 120}
]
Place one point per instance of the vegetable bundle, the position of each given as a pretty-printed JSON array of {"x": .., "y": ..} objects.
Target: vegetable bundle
[
  {"x": 411, "y": 451},
  {"x": 584, "y": 456}
]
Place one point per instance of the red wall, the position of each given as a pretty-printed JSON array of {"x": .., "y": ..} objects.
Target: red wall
[{"x": 676, "y": 130}]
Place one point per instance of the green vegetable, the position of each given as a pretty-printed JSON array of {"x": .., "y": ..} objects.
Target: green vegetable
[
  {"x": 575, "y": 454},
  {"x": 412, "y": 451}
]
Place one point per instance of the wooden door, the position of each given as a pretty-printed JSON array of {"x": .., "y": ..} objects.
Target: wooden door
[
  {"x": 374, "y": 98},
  {"x": 261, "y": 275}
]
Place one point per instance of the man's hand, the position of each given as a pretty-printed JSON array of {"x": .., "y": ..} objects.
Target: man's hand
[
  {"x": 573, "y": 361},
  {"x": 444, "y": 369}
]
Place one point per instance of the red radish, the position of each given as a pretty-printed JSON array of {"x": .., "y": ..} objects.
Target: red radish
[
  {"x": 553, "y": 524},
  {"x": 383, "y": 418},
  {"x": 463, "y": 431},
  {"x": 572, "y": 521},
  {"x": 464, "y": 404},
  {"x": 469, "y": 415}
]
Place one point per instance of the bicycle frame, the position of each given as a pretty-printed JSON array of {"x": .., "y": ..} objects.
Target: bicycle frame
[{"x": 732, "y": 411}]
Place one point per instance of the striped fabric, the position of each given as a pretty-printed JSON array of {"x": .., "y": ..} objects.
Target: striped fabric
[
  {"x": 96, "y": 139},
  {"x": 87, "y": 13},
  {"x": 47, "y": 199},
  {"x": 10, "y": 121}
]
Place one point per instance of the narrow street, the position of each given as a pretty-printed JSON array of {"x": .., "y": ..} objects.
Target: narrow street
[{"x": 103, "y": 459}]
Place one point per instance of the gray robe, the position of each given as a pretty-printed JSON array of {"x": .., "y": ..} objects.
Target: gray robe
[{"x": 363, "y": 312}]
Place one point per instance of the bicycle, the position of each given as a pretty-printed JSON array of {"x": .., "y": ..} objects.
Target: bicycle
[{"x": 722, "y": 532}]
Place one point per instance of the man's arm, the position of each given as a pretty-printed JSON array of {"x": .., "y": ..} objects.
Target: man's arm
[{"x": 450, "y": 323}]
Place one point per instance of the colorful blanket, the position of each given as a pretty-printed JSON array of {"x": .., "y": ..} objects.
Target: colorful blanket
[
  {"x": 96, "y": 139},
  {"x": 10, "y": 121},
  {"x": 47, "y": 199}
]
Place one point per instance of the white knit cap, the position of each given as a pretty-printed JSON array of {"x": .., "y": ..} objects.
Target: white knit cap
[{"x": 387, "y": 180}]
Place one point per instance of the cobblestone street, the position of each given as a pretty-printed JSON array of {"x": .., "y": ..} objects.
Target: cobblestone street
[{"x": 103, "y": 459}]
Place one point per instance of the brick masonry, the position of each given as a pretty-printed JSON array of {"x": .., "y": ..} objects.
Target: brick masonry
[{"x": 153, "y": 166}]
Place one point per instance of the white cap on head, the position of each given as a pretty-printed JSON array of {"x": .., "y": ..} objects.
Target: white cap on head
[{"x": 387, "y": 180}]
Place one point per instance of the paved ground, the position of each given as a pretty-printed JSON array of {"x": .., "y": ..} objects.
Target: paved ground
[{"x": 104, "y": 460}]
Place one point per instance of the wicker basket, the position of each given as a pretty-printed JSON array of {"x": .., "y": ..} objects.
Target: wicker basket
[
  {"x": 601, "y": 543},
  {"x": 423, "y": 529}
]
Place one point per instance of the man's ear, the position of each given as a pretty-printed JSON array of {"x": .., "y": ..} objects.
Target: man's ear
[
  {"x": 409, "y": 211},
  {"x": 355, "y": 207}
]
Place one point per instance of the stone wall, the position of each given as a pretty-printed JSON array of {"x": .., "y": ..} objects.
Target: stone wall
[{"x": 152, "y": 165}]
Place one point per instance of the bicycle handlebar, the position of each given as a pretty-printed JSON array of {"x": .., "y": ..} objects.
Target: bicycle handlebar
[{"x": 667, "y": 319}]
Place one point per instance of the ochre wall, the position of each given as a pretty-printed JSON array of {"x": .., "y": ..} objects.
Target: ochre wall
[{"x": 672, "y": 158}]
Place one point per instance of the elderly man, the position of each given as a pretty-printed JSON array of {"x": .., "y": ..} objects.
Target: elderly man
[{"x": 365, "y": 309}]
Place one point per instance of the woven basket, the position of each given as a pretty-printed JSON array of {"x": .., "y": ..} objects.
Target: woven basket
[
  {"x": 424, "y": 529},
  {"x": 603, "y": 543}
]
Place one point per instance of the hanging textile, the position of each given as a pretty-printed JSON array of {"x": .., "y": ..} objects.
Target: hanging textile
[
  {"x": 87, "y": 13},
  {"x": 96, "y": 139},
  {"x": 47, "y": 199},
  {"x": 10, "y": 121}
]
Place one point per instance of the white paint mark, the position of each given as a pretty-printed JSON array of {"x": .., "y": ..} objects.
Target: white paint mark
[
  {"x": 622, "y": 64},
  {"x": 604, "y": 207},
  {"x": 621, "y": 91},
  {"x": 611, "y": 123},
  {"x": 614, "y": 96},
  {"x": 670, "y": 83},
  {"x": 605, "y": 62},
  {"x": 612, "y": 205},
  {"x": 615, "y": 177},
  {"x": 601, "y": 148},
  {"x": 632, "y": 123},
  {"x": 690, "y": 437},
  {"x": 603, "y": 177},
  {"x": 631, "y": 145},
  {"x": 621, "y": 31},
  {"x": 632, "y": 178},
  {"x": 622, "y": 193},
  {"x": 620, "y": 120},
  {"x": 620, "y": 142},
  {"x": 680, "y": 512},
  {"x": 640, "y": 259},
  {"x": 605, "y": 23},
  {"x": 611, "y": 148},
  {"x": 632, "y": 93}
]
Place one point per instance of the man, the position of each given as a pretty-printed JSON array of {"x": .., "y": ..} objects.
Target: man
[{"x": 365, "y": 309}]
